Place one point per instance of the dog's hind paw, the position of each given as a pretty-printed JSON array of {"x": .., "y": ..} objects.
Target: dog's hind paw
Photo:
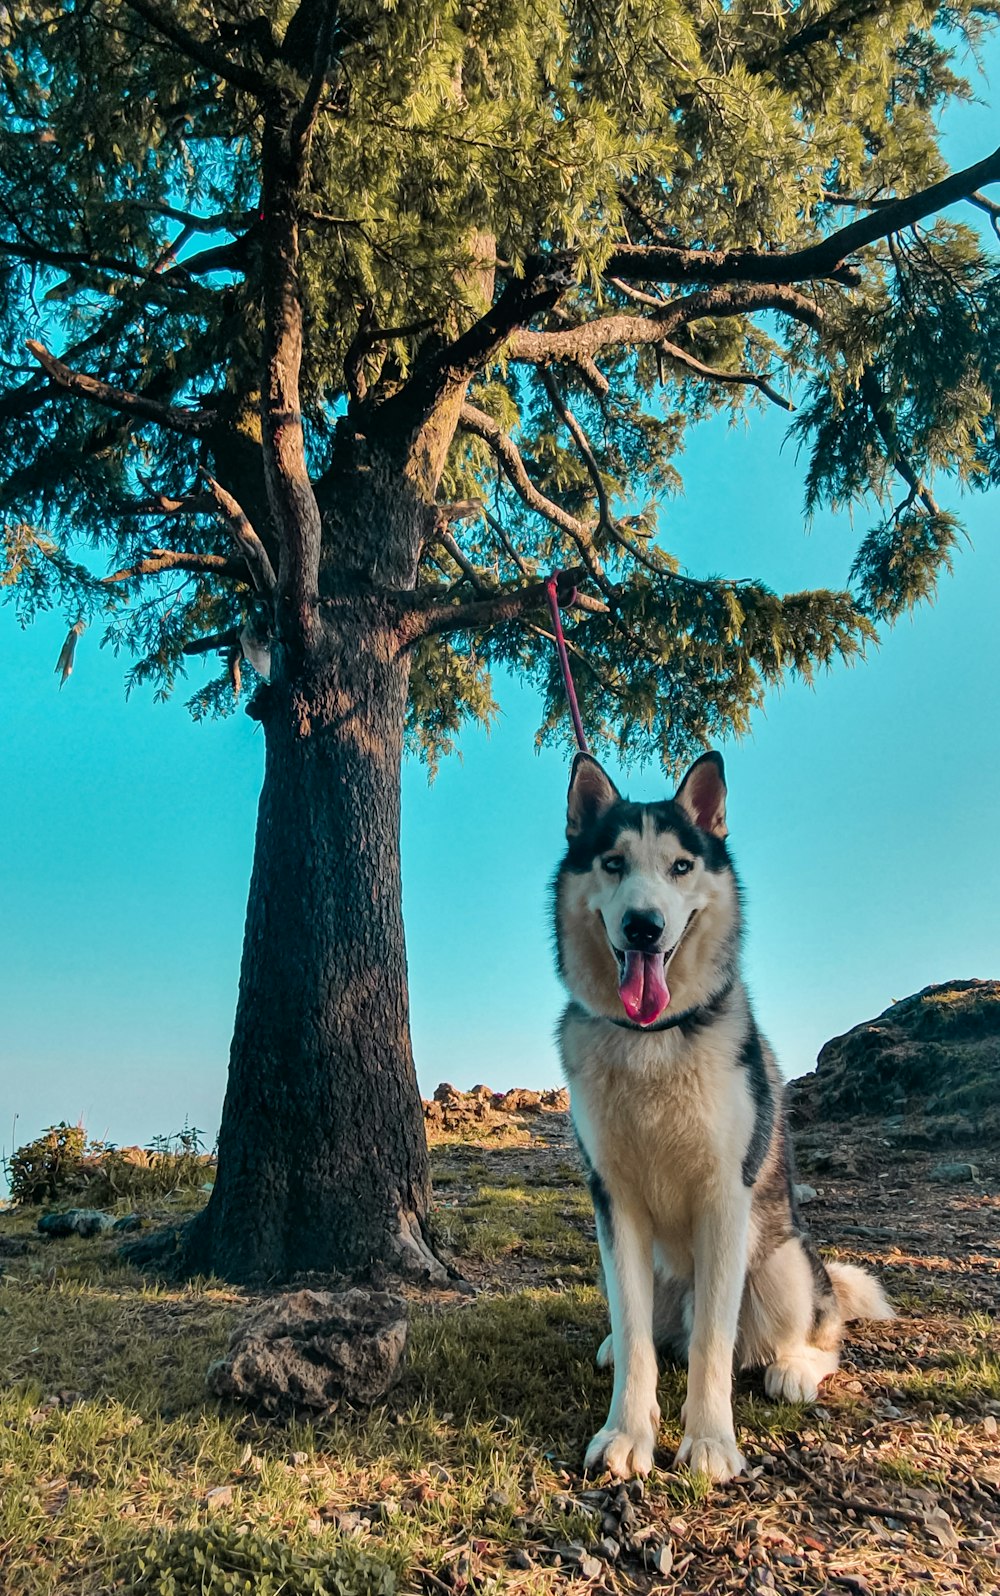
[
  {"x": 797, "y": 1378},
  {"x": 717, "y": 1456},
  {"x": 606, "y": 1353},
  {"x": 621, "y": 1453}
]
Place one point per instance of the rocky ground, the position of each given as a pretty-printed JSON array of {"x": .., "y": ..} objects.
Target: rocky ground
[{"x": 119, "y": 1472}]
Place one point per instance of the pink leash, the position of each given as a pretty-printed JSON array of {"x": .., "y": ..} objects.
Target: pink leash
[{"x": 552, "y": 591}]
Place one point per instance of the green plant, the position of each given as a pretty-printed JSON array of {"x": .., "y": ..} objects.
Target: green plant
[
  {"x": 63, "y": 1165},
  {"x": 44, "y": 1169},
  {"x": 219, "y": 1561}
]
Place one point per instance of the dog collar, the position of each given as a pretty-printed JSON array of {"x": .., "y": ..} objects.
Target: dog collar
[{"x": 698, "y": 1015}]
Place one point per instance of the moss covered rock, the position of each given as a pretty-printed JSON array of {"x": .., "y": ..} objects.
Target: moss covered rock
[{"x": 935, "y": 1054}]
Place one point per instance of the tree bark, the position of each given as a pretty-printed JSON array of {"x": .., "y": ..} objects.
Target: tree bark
[{"x": 322, "y": 1154}]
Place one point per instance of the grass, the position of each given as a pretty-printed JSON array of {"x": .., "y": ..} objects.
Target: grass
[
  {"x": 958, "y": 1379},
  {"x": 465, "y": 1479},
  {"x": 505, "y": 1220},
  {"x": 109, "y": 1444}
]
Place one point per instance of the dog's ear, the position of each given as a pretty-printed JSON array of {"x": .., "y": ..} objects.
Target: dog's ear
[
  {"x": 702, "y": 794},
  {"x": 590, "y": 793}
]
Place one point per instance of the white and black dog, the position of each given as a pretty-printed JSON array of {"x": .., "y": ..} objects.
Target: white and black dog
[{"x": 677, "y": 1105}]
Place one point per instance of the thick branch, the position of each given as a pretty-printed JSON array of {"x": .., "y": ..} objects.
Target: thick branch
[
  {"x": 199, "y": 51},
  {"x": 215, "y": 640},
  {"x": 246, "y": 539},
  {"x": 158, "y": 560},
  {"x": 304, "y": 119},
  {"x": 104, "y": 393},
  {"x": 495, "y": 608},
  {"x": 289, "y": 489},
  {"x": 448, "y": 371},
  {"x": 623, "y": 328},
  {"x": 826, "y": 258}
]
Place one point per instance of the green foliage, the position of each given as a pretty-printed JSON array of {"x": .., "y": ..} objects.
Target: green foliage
[
  {"x": 219, "y": 1560},
  {"x": 457, "y": 141},
  {"x": 43, "y": 1169},
  {"x": 65, "y": 1165}
]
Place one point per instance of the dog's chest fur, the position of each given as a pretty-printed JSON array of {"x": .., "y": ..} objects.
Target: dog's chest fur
[{"x": 663, "y": 1119}]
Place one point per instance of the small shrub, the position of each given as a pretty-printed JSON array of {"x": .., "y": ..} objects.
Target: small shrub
[
  {"x": 219, "y": 1561},
  {"x": 62, "y": 1165},
  {"x": 47, "y": 1168}
]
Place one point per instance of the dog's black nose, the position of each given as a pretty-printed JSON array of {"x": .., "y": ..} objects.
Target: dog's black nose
[{"x": 642, "y": 927}]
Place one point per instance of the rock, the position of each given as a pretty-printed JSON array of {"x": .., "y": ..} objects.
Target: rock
[
  {"x": 14, "y": 1247},
  {"x": 954, "y": 1172},
  {"x": 662, "y": 1558},
  {"x": 805, "y": 1194},
  {"x": 307, "y": 1350},
  {"x": 937, "y": 1052},
  {"x": 219, "y": 1496},
  {"x": 76, "y": 1222},
  {"x": 439, "y": 1474},
  {"x": 520, "y": 1559},
  {"x": 128, "y": 1222},
  {"x": 447, "y": 1094},
  {"x": 519, "y": 1101},
  {"x": 989, "y": 1425},
  {"x": 938, "y": 1524},
  {"x": 498, "y": 1500},
  {"x": 589, "y": 1566},
  {"x": 608, "y": 1548}
]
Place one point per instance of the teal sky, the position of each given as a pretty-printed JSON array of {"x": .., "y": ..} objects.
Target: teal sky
[{"x": 861, "y": 814}]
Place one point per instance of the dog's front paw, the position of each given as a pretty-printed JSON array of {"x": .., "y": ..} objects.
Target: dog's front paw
[
  {"x": 621, "y": 1453},
  {"x": 606, "y": 1353},
  {"x": 718, "y": 1456}
]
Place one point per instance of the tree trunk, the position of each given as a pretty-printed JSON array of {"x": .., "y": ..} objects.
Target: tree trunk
[{"x": 322, "y": 1154}]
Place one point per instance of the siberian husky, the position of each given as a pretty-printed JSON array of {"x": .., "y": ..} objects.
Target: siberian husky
[{"x": 677, "y": 1105}]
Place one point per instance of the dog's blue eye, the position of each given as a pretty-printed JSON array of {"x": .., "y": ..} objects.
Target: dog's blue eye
[
  {"x": 683, "y": 867},
  {"x": 614, "y": 864}
]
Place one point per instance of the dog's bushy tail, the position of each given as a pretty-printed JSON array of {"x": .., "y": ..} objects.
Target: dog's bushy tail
[{"x": 858, "y": 1294}]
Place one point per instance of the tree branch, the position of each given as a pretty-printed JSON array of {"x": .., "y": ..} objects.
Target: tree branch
[
  {"x": 246, "y": 539},
  {"x": 826, "y": 258},
  {"x": 582, "y": 442},
  {"x": 468, "y": 570},
  {"x": 200, "y": 52},
  {"x": 712, "y": 374},
  {"x": 215, "y": 640},
  {"x": 622, "y": 328},
  {"x": 172, "y": 417},
  {"x": 494, "y": 608},
  {"x": 158, "y": 560},
  {"x": 455, "y": 365},
  {"x": 507, "y": 453},
  {"x": 885, "y": 421},
  {"x": 304, "y": 119}
]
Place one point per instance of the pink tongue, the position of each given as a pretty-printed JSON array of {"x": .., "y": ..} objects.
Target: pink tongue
[{"x": 643, "y": 988}]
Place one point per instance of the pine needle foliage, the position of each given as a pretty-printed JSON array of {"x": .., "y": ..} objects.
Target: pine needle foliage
[{"x": 645, "y": 175}]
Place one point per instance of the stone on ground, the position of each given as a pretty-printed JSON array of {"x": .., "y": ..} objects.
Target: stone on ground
[
  {"x": 309, "y": 1350},
  {"x": 76, "y": 1222}
]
